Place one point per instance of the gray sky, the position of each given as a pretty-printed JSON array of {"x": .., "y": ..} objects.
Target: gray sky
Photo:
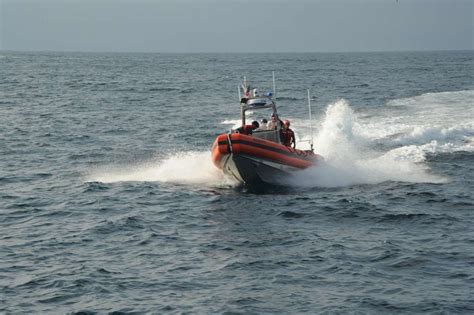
[{"x": 236, "y": 25}]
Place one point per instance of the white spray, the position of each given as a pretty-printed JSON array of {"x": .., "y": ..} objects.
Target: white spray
[
  {"x": 194, "y": 168},
  {"x": 348, "y": 158}
]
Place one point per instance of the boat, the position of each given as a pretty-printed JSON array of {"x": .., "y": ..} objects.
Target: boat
[{"x": 259, "y": 159}]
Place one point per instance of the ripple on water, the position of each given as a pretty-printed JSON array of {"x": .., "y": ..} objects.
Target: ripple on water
[{"x": 81, "y": 241}]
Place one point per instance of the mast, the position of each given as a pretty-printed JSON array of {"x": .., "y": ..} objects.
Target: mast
[
  {"x": 244, "y": 90},
  {"x": 310, "y": 121},
  {"x": 274, "y": 88}
]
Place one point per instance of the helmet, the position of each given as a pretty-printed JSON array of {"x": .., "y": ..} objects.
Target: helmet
[
  {"x": 286, "y": 123},
  {"x": 255, "y": 124},
  {"x": 264, "y": 121}
]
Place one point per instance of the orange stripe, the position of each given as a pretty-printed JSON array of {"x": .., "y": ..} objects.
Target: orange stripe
[{"x": 276, "y": 157}]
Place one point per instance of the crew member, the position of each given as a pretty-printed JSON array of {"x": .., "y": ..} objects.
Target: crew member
[
  {"x": 248, "y": 129},
  {"x": 273, "y": 123},
  {"x": 287, "y": 135}
]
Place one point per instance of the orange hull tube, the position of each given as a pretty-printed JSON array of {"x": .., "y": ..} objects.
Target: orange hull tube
[{"x": 240, "y": 144}]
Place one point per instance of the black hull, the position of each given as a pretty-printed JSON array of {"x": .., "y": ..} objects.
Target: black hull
[{"x": 256, "y": 173}]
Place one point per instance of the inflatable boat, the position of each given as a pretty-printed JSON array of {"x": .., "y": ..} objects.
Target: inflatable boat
[{"x": 259, "y": 158}]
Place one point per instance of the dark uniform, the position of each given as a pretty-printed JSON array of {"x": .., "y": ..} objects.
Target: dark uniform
[{"x": 288, "y": 137}]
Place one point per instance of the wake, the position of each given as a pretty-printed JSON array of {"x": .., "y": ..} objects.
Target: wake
[
  {"x": 193, "y": 168},
  {"x": 390, "y": 145}
]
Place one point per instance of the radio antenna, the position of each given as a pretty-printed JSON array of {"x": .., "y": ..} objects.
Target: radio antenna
[
  {"x": 274, "y": 88},
  {"x": 310, "y": 121}
]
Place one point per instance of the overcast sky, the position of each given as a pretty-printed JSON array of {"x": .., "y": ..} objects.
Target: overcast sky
[{"x": 236, "y": 25}]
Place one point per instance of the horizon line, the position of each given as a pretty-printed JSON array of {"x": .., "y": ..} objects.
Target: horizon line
[{"x": 228, "y": 52}]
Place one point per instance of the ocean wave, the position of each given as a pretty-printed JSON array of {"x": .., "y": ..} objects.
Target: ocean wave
[{"x": 444, "y": 117}]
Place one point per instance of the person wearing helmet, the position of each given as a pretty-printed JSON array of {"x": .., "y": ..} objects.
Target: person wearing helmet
[
  {"x": 287, "y": 135},
  {"x": 263, "y": 124},
  {"x": 248, "y": 129}
]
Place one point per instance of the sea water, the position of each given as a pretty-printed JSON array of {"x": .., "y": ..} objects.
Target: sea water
[{"x": 109, "y": 201}]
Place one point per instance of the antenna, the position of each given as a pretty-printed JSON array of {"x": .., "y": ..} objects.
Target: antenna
[
  {"x": 310, "y": 121},
  {"x": 274, "y": 89}
]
